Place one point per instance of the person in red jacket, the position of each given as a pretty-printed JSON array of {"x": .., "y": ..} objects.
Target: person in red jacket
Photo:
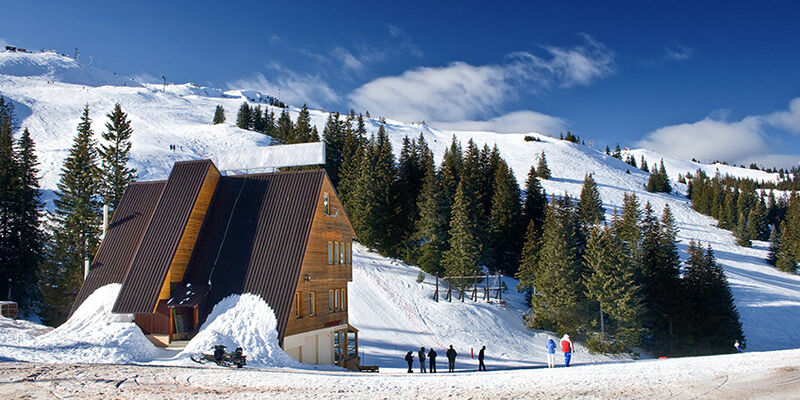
[{"x": 566, "y": 347}]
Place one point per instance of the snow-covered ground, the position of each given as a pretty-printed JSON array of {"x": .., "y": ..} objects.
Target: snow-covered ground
[
  {"x": 49, "y": 92},
  {"x": 767, "y": 375}
]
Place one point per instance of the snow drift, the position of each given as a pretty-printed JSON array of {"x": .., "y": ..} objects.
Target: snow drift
[
  {"x": 242, "y": 320},
  {"x": 92, "y": 335}
]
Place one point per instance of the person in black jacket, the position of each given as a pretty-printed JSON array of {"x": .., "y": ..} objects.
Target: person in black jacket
[
  {"x": 481, "y": 365},
  {"x": 451, "y": 359},
  {"x": 432, "y": 360},
  {"x": 409, "y": 360},
  {"x": 421, "y": 356}
]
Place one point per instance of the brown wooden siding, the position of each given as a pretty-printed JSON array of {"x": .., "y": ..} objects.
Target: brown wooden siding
[
  {"x": 157, "y": 323},
  {"x": 113, "y": 258},
  {"x": 335, "y": 227},
  {"x": 149, "y": 268}
]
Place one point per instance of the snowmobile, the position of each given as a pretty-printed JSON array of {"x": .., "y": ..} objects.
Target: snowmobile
[{"x": 220, "y": 357}]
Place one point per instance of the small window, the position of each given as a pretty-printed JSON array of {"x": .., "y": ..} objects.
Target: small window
[
  {"x": 330, "y": 253},
  {"x": 326, "y": 203},
  {"x": 330, "y": 301},
  {"x": 335, "y": 252},
  {"x": 344, "y": 299},
  {"x": 350, "y": 253},
  {"x": 336, "y": 300},
  {"x": 342, "y": 256},
  {"x": 312, "y": 309},
  {"x": 297, "y": 304}
]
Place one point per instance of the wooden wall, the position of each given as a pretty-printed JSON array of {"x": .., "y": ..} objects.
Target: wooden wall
[
  {"x": 333, "y": 227},
  {"x": 185, "y": 247}
]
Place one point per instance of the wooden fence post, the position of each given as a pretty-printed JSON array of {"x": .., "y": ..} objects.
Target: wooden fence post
[{"x": 436, "y": 292}]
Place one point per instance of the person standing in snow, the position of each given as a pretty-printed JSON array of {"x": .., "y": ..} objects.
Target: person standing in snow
[
  {"x": 421, "y": 355},
  {"x": 432, "y": 360},
  {"x": 410, "y": 361},
  {"x": 737, "y": 346},
  {"x": 451, "y": 359},
  {"x": 481, "y": 365},
  {"x": 566, "y": 347},
  {"x": 551, "y": 353}
]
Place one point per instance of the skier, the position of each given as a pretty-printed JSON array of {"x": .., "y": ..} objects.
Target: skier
[
  {"x": 566, "y": 347},
  {"x": 432, "y": 360},
  {"x": 421, "y": 355},
  {"x": 737, "y": 346},
  {"x": 551, "y": 353},
  {"x": 481, "y": 365},
  {"x": 451, "y": 359},
  {"x": 409, "y": 360}
]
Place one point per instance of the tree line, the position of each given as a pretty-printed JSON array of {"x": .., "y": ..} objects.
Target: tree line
[
  {"x": 44, "y": 260},
  {"x": 282, "y": 129},
  {"x": 751, "y": 214}
]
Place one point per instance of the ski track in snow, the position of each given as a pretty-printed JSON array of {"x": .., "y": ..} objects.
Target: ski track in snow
[{"x": 393, "y": 319}]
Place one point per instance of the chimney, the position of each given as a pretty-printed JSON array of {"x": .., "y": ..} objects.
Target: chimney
[{"x": 105, "y": 221}]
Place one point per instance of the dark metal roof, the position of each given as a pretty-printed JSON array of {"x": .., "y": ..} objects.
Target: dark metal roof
[
  {"x": 149, "y": 268},
  {"x": 125, "y": 231},
  {"x": 254, "y": 238}
]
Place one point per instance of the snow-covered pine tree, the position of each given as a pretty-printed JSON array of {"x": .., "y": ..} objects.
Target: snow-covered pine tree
[
  {"x": 115, "y": 174},
  {"x": 77, "y": 218},
  {"x": 219, "y": 115}
]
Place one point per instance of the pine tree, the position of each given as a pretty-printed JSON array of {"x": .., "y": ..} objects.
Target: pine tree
[
  {"x": 757, "y": 222},
  {"x": 334, "y": 140},
  {"x": 789, "y": 250},
  {"x": 77, "y": 219},
  {"x": 258, "y": 119},
  {"x": 269, "y": 124},
  {"x": 450, "y": 173},
  {"x": 505, "y": 230},
  {"x": 430, "y": 237},
  {"x": 409, "y": 185},
  {"x": 28, "y": 226},
  {"x": 541, "y": 169},
  {"x": 533, "y": 209},
  {"x": 590, "y": 206},
  {"x": 115, "y": 175},
  {"x": 284, "y": 131},
  {"x": 244, "y": 118},
  {"x": 464, "y": 251},
  {"x": 303, "y": 126},
  {"x": 774, "y": 245},
  {"x": 643, "y": 164},
  {"x": 219, "y": 115},
  {"x": 742, "y": 233},
  {"x": 352, "y": 156},
  {"x": 617, "y": 152},
  {"x": 529, "y": 260},
  {"x": 9, "y": 192},
  {"x": 557, "y": 303}
]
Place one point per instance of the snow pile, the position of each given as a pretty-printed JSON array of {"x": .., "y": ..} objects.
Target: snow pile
[
  {"x": 242, "y": 320},
  {"x": 92, "y": 335}
]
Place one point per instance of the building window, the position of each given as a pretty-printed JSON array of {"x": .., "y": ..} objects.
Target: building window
[
  {"x": 350, "y": 253},
  {"x": 297, "y": 313},
  {"x": 344, "y": 299},
  {"x": 326, "y": 203},
  {"x": 336, "y": 300},
  {"x": 330, "y": 301},
  {"x": 335, "y": 252},
  {"x": 330, "y": 253},
  {"x": 342, "y": 257},
  {"x": 312, "y": 309}
]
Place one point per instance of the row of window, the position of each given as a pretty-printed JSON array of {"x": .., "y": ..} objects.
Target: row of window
[
  {"x": 340, "y": 253},
  {"x": 306, "y": 304}
]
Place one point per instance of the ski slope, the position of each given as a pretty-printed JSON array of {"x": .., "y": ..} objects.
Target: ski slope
[{"x": 49, "y": 92}]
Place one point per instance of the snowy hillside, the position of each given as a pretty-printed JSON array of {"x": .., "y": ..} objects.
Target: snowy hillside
[{"x": 49, "y": 92}]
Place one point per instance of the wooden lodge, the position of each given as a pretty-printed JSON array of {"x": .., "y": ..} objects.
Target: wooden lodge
[{"x": 180, "y": 246}]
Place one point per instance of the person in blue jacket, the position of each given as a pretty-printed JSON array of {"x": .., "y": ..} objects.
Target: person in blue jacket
[{"x": 551, "y": 353}]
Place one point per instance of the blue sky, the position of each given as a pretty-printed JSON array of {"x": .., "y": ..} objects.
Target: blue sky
[{"x": 694, "y": 79}]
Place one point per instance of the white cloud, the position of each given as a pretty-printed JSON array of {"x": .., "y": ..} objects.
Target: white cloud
[
  {"x": 290, "y": 87},
  {"x": 523, "y": 121},
  {"x": 461, "y": 92},
  {"x": 741, "y": 142},
  {"x": 405, "y": 41},
  {"x": 677, "y": 53},
  {"x": 349, "y": 62},
  {"x": 788, "y": 120}
]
